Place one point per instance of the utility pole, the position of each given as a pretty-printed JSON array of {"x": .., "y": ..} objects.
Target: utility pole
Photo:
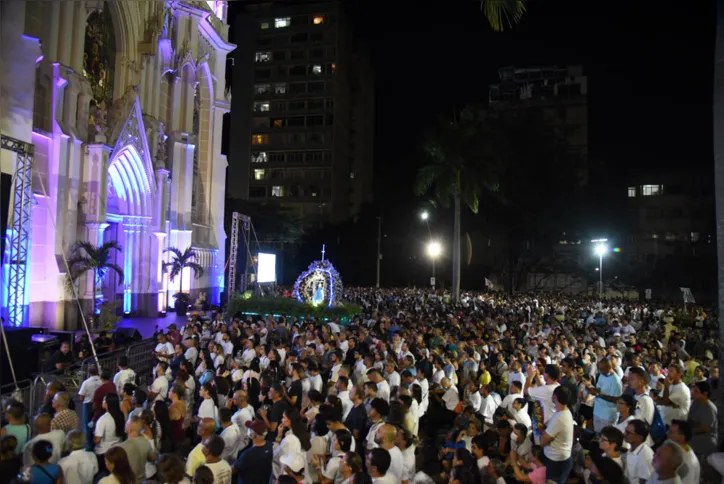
[{"x": 379, "y": 248}]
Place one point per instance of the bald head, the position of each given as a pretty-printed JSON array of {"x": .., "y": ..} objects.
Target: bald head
[
  {"x": 42, "y": 423},
  {"x": 61, "y": 400},
  {"x": 240, "y": 397},
  {"x": 386, "y": 436},
  {"x": 207, "y": 427},
  {"x": 135, "y": 426}
]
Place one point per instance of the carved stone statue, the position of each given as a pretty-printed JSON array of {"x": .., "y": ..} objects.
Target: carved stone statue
[{"x": 161, "y": 154}]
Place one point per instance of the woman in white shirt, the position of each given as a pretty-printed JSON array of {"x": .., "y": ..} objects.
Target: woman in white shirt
[
  {"x": 150, "y": 432},
  {"x": 292, "y": 437},
  {"x": 109, "y": 430},
  {"x": 208, "y": 407},
  {"x": 626, "y": 405}
]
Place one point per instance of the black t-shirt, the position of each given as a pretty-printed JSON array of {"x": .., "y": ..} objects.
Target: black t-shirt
[
  {"x": 275, "y": 415},
  {"x": 254, "y": 465},
  {"x": 295, "y": 390},
  {"x": 357, "y": 420}
]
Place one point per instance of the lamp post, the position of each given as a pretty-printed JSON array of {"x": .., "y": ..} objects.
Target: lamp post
[
  {"x": 600, "y": 249},
  {"x": 434, "y": 249},
  {"x": 425, "y": 216}
]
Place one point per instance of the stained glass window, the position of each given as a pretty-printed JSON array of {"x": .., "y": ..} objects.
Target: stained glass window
[{"x": 99, "y": 55}]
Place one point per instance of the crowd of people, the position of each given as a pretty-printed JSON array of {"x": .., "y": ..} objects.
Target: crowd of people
[{"x": 416, "y": 389}]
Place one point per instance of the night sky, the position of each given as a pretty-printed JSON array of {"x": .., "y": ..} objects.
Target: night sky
[{"x": 649, "y": 68}]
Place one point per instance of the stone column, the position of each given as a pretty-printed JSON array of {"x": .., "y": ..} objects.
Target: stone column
[{"x": 158, "y": 244}]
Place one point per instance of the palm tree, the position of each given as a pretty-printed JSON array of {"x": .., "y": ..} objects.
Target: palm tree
[
  {"x": 458, "y": 170},
  {"x": 503, "y": 12},
  {"x": 181, "y": 261},
  {"x": 88, "y": 257}
]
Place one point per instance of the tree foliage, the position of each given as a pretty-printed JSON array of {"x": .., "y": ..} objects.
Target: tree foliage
[
  {"x": 503, "y": 13},
  {"x": 180, "y": 261}
]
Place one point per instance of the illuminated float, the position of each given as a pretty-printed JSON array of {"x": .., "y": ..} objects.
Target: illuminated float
[{"x": 320, "y": 285}]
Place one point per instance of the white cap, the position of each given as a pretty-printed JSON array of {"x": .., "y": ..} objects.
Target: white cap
[{"x": 295, "y": 461}]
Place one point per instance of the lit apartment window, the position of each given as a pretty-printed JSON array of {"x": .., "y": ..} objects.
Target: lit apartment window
[
  {"x": 264, "y": 25},
  {"x": 277, "y": 191},
  {"x": 261, "y": 106},
  {"x": 318, "y": 20},
  {"x": 695, "y": 236},
  {"x": 281, "y": 22},
  {"x": 259, "y": 157},
  {"x": 260, "y": 139},
  {"x": 262, "y": 88},
  {"x": 280, "y": 88},
  {"x": 631, "y": 192},
  {"x": 651, "y": 190},
  {"x": 316, "y": 69},
  {"x": 258, "y": 174},
  {"x": 263, "y": 57}
]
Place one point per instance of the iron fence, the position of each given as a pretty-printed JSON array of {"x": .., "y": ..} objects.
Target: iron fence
[{"x": 32, "y": 392}]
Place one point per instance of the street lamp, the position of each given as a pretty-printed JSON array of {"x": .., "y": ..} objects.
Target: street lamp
[
  {"x": 434, "y": 249},
  {"x": 600, "y": 249},
  {"x": 424, "y": 216}
]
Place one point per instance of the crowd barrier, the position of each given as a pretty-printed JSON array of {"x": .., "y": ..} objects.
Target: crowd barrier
[{"x": 32, "y": 392}]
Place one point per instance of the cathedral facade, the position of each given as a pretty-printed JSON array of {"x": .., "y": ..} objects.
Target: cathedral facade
[{"x": 122, "y": 102}]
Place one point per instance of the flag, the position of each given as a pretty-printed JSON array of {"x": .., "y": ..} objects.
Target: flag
[
  {"x": 687, "y": 295},
  {"x": 488, "y": 283}
]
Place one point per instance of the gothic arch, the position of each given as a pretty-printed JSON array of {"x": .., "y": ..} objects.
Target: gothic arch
[{"x": 205, "y": 140}]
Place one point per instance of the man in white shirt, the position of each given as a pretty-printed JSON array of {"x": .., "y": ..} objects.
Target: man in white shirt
[
  {"x": 245, "y": 413},
  {"x": 158, "y": 391},
  {"x": 378, "y": 464},
  {"x": 450, "y": 397},
  {"x": 383, "y": 388},
  {"x": 213, "y": 449},
  {"x": 639, "y": 458},
  {"x": 80, "y": 466},
  {"x": 124, "y": 375},
  {"x": 675, "y": 402},
  {"x": 487, "y": 407},
  {"x": 43, "y": 432},
  {"x": 516, "y": 391},
  {"x": 191, "y": 353},
  {"x": 164, "y": 349},
  {"x": 87, "y": 389},
  {"x": 392, "y": 377},
  {"x": 689, "y": 471},
  {"x": 231, "y": 434},
  {"x": 249, "y": 352},
  {"x": 667, "y": 460},
  {"x": 343, "y": 395},
  {"x": 385, "y": 438},
  {"x": 557, "y": 440},
  {"x": 543, "y": 393}
]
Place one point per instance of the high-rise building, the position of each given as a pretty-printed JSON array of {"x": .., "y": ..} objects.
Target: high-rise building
[
  {"x": 560, "y": 93},
  {"x": 301, "y": 128}
]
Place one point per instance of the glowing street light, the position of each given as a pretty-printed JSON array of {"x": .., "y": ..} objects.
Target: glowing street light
[
  {"x": 600, "y": 250},
  {"x": 424, "y": 215},
  {"x": 434, "y": 249}
]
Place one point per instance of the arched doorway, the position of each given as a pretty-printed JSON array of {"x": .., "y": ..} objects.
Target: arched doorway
[{"x": 129, "y": 216}]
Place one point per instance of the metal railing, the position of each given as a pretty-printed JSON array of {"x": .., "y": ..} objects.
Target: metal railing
[{"x": 32, "y": 392}]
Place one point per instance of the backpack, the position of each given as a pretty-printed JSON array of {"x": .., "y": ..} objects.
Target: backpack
[{"x": 657, "y": 429}]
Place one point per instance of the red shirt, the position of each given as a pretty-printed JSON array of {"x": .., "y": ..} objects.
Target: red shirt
[{"x": 98, "y": 396}]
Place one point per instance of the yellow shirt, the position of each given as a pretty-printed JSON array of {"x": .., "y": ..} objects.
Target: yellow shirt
[
  {"x": 485, "y": 378},
  {"x": 196, "y": 460}
]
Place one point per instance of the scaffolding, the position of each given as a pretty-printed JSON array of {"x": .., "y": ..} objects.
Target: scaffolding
[
  {"x": 245, "y": 222},
  {"x": 17, "y": 246}
]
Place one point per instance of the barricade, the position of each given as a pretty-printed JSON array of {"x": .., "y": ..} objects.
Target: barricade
[{"x": 32, "y": 392}]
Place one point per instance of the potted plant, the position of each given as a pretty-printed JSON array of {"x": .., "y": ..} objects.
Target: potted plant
[{"x": 182, "y": 303}]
